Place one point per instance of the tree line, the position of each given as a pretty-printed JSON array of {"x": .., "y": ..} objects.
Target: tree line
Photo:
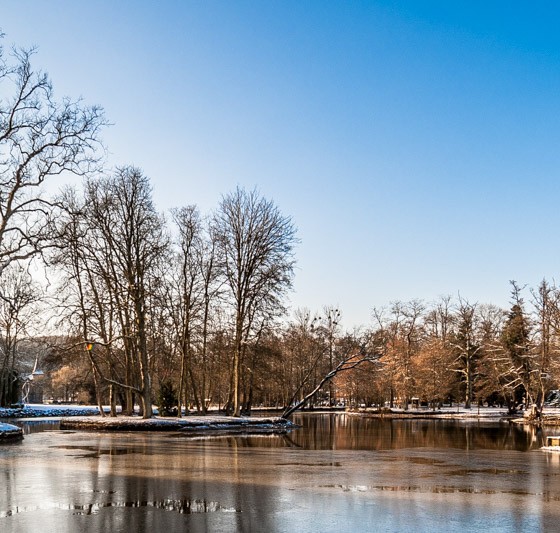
[
  {"x": 469, "y": 352},
  {"x": 145, "y": 299},
  {"x": 135, "y": 294},
  {"x": 187, "y": 310}
]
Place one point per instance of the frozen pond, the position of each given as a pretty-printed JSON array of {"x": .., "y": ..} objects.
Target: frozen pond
[{"x": 338, "y": 473}]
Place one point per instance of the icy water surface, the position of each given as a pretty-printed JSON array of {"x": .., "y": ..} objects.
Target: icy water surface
[{"x": 337, "y": 473}]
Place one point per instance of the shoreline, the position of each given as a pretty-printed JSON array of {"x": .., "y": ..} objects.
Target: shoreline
[
  {"x": 87, "y": 418},
  {"x": 10, "y": 433},
  {"x": 550, "y": 417},
  {"x": 210, "y": 424}
]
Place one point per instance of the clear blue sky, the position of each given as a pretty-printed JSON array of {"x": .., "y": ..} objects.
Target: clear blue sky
[{"x": 415, "y": 144}]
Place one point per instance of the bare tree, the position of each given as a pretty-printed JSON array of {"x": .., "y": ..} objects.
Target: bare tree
[
  {"x": 401, "y": 330},
  {"x": 255, "y": 245},
  {"x": 497, "y": 380},
  {"x": 302, "y": 352},
  {"x": 114, "y": 242},
  {"x": 385, "y": 333},
  {"x": 40, "y": 137},
  {"x": 187, "y": 295},
  {"x": 18, "y": 299},
  {"x": 432, "y": 365},
  {"x": 124, "y": 214},
  {"x": 467, "y": 348},
  {"x": 546, "y": 304},
  {"x": 329, "y": 325},
  {"x": 86, "y": 305}
]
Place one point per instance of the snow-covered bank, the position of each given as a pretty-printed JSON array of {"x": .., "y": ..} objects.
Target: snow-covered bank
[
  {"x": 191, "y": 424},
  {"x": 547, "y": 419},
  {"x": 40, "y": 410},
  {"x": 87, "y": 418},
  {"x": 448, "y": 413},
  {"x": 10, "y": 433},
  {"x": 551, "y": 415}
]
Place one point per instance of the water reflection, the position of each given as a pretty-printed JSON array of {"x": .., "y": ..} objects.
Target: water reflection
[
  {"x": 34, "y": 425},
  {"x": 336, "y": 473},
  {"x": 180, "y": 506},
  {"x": 348, "y": 432}
]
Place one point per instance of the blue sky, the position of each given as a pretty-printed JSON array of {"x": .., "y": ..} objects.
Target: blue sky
[{"x": 414, "y": 144}]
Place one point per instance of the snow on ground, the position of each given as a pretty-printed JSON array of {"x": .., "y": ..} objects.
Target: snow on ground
[
  {"x": 87, "y": 417},
  {"x": 9, "y": 432},
  {"x": 456, "y": 412},
  {"x": 210, "y": 423},
  {"x": 40, "y": 410}
]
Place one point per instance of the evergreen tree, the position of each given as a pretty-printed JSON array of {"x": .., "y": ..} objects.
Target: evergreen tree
[{"x": 516, "y": 343}]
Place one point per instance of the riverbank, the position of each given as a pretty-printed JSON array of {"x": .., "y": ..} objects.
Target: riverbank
[
  {"x": 10, "y": 433},
  {"x": 550, "y": 416},
  {"x": 447, "y": 413},
  {"x": 193, "y": 425},
  {"x": 87, "y": 418},
  {"x": 547, "y": 419},
  {"x": 42, "y": 410}
]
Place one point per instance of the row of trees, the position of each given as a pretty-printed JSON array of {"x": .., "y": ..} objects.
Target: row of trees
[
  {"x": 145, "y": 298},
  {"x": 473, "y": 352},
  {"x": 190, "y": 307},
  {"x": 134, "y": 294},
  {"x": 131, "y": 290},
  {"x": 414, "y": 352}
]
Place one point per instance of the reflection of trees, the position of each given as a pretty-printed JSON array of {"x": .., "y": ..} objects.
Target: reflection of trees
[{"x": 363, "y": 433}]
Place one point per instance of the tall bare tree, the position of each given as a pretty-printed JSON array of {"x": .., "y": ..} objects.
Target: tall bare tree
[
  {"x": 187, "y": 296},
  {"x": 302, "y": 352},
  {"x": 401, "y": 330},
  {"x": 123, "y": 212},
  {"x": 114, "y": 240},
  {"x": 329, "y": 326},
  {"x": 255, "y": 245},
  {"x": 432, "y": 366}
]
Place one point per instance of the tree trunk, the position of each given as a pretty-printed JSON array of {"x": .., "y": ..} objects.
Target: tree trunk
[
  {"x": 181, "y": 386},
  {"x": 237, "y": 367},
  {"x": 113, "y": 400},
  {"x": 98, "y": 394}
]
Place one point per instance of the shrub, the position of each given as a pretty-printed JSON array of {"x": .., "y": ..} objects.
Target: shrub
[{"x": 167, "y": 399}]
